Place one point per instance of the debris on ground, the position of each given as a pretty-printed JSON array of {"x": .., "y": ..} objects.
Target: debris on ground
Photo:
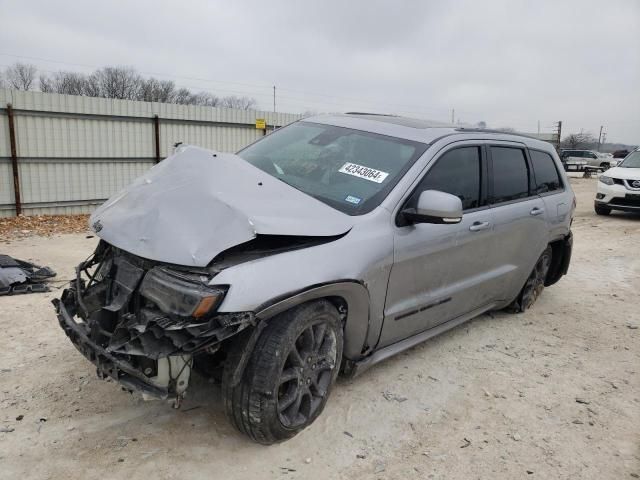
[
  {"x": 18, "y": 276},
  {"x": 14, "y": 228},
  {"x": 379, "y": 467},
  {"x": 393, "y": 396}
]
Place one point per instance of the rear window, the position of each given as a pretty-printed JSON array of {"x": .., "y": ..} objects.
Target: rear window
[
  {"x": 510, "y": 174},
  {"x": 545, "y": 172}
]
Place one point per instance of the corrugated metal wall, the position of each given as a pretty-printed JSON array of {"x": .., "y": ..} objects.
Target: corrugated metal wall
[{"x": 74, "y": 152}]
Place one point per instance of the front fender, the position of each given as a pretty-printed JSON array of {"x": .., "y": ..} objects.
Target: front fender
[
  {"x": 354, "y": 267},
  {"x": 353, "y": 293}
]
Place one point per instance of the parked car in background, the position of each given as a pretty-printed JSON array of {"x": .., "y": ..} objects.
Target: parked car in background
[
  {"x": 573, "y": 160},
  {"x": 576, "y": 160},
  {"x": 619, "y": 188},
  {"x": 620, "y": 153},
  {"x": 326, "y": 246}
]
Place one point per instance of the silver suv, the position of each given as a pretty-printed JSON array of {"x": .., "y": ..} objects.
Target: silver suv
[
  {"x": 579, "y": 159},
  {"x": 326, "y": 246}
]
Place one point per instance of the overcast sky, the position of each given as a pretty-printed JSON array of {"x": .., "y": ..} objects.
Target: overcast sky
[{"x": 508, "y": 63}]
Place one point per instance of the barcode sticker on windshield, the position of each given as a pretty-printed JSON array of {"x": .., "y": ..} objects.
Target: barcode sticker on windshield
[{"x": 366, "y": 173}]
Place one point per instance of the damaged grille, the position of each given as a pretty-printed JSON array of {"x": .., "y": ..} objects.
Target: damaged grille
[{"x": 116, "y": 316}]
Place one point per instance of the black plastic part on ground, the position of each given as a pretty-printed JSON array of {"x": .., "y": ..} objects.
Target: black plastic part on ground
[{"x": 18, "y": 276}]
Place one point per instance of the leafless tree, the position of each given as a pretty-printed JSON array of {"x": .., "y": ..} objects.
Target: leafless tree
[
  {"x": 242, "y": 103},
  {"x": 481, "y": 124},
  {"x": 92, "y": 86},
  {"x": 69, "y": 83},
  {"x": 118, "y": 82},
  {"x": 183, "y": 97},
  {"x": 579, "y": 140},
  {"x": 154, "y": 90},
  {"x": 206, "y": 99},
  {"x": 21, "y": 76}
]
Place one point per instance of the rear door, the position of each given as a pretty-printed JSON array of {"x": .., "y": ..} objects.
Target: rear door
[
  {"x": 519, "y": 215},
  {"x": 550, "y": 187}
]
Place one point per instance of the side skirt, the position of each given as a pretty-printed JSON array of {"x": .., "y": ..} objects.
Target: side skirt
[{"x": 377, "y": 356}]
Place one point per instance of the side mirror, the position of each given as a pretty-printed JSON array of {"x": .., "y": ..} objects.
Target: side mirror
[{"x": 435, "y": 207}]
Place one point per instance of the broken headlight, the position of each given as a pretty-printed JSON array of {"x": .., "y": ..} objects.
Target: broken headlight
[{"x": 185, "y": 295}]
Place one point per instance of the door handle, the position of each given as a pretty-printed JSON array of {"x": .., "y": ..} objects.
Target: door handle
[
  {"x": 477, "y": 226},
  {"x": 537, "y": 211}
]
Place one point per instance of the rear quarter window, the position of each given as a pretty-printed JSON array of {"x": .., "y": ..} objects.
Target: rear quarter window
[{"x": 545, "y": 172}]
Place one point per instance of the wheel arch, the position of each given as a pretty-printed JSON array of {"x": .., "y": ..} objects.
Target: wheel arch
[
  {"x": 560, "y": 258},
  {"x": 350, "y": 297}
]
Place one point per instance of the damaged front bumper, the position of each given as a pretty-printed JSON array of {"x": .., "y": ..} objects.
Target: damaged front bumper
[
  {"x": 108, "y": 365},
  {"x": 134, "y": 320}
]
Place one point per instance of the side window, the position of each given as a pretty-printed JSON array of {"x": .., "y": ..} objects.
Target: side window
[
  {"x": 545, "y": 171},
  {"x": 456, "y": 172},
  {"x": 510, "y": 174}
]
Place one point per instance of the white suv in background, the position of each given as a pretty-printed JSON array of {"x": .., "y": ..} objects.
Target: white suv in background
[
  {"x": 578, "y": 159},
  {"x": 619, "y": 188}
]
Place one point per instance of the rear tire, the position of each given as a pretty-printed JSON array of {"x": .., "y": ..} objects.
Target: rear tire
[
  {"x": 534, "y": 285},
  {"x": 602, "y": 210},
  {"x": 289, "y": 375}
]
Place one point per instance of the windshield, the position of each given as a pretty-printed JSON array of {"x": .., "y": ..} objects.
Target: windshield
[
  {"x": 350, "y": 170},
  {"x": 631, "y": 161}
]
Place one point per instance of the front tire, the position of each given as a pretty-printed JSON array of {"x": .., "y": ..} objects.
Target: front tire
[
  {"x": 535, "y": 283},
  {"x": 600, "y": 210},
  {"x": 289, "y": 376}
]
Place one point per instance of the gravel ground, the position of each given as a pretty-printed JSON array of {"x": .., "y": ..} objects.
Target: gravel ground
[{"x": 552, "y": 393}]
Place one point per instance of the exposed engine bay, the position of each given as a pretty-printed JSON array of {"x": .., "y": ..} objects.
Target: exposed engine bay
[{"x": 141, "y": 322}]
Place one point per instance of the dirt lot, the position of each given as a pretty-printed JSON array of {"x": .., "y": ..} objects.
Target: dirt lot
[{"x": 553, "y": 393}]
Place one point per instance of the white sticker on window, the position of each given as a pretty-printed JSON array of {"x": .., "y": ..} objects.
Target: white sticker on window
[{"x": 366, "y": 173}]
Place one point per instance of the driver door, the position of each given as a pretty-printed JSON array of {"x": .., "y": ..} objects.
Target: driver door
[{"x": 442, "y": 271}]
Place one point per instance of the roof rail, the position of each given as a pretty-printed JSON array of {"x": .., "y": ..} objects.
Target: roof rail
[
  {"x": 490, "y": 130},
  {"x": 373, "y": 114}
]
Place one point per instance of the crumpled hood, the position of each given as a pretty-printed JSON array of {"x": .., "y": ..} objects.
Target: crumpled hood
[{"x": 197, "y": 203}]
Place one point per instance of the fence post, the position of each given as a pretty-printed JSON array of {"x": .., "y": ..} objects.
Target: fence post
[
  {"x": 156, "y": 133},
  {"x": 14, "y": 160}
]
